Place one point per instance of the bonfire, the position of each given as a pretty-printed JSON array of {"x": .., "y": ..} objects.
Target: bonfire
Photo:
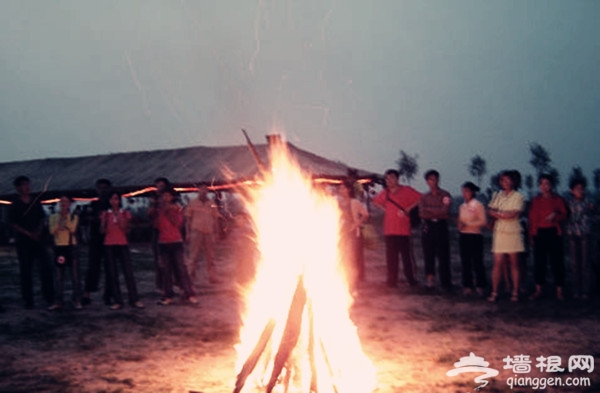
[{"x": 297, "y": 335}]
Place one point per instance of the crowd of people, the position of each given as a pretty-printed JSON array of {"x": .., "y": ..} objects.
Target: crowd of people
[
  {"x": 192, "y": 229},
  {"x": 514, "y": 232},
  {"x": 108, "y": 246}
]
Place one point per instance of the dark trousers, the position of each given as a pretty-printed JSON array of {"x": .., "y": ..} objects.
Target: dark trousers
[
  {"x": 547, "y": 246},
  {"x": 72, "y": 265},
  {"x": 581, "y": 264},
  {"x": 471, "y": 256},
  {"x": 29, "y": 251},
  {"x": 95, "y": 261},
  {"x": 436, "y": 244},
  {"x": 121, "y": 254},
  {"x": 172, "y": 264},
  {"x": 395, "y": 244}
]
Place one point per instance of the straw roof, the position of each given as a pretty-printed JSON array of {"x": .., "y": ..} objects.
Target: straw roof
[{"x": 132, "y": 171}]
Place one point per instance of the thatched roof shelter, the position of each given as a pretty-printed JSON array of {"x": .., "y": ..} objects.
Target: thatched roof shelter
[{"x": 185, "y": 167}]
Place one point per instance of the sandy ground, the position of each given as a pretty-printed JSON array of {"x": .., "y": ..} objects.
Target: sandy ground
[{"x": 413, "y": 337}]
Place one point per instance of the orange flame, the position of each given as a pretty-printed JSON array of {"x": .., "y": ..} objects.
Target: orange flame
[{"x": 297, "y": 229}]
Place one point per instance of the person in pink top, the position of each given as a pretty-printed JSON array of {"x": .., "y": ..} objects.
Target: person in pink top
[
  {"x": 548, "y": 210},
  {"x": 397, "y": 201},
  {"x": 472, "y": 219},
  {"x": 115, "y": 225},
  {"x": 169, "y": 222}
]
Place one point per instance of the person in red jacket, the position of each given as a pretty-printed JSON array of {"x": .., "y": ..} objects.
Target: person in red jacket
[{"x": 548, "y": 211}]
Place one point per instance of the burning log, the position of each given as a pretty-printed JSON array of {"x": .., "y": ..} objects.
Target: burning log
[
  {"x": 252, "y": 360},
  {"x": 289, "y": 339},
  {"x": 288, "y": 342},
  {"x": 311, "y": 348},
  {"x": 329, "y": 368}
]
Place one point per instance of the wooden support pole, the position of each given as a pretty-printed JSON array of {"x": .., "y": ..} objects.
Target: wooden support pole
[{"x": 259, "y": 163}]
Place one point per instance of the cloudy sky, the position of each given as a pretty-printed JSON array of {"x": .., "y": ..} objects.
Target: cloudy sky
[{"x": 355, "y": 81}]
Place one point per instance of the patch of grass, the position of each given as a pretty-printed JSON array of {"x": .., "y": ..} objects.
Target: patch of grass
[
  {"x": 417, "y": 315},
  {"x": 483, "y": 337},
  {"x": 127, "y": 381},
  {"x": 481, "y": 325},
  {"x": 440, "y": 326},
  {"x": 226, "y": 334},
  {"x": 153, "y": 327},
  {"x": 86, "y": 342},
  {"x": 131, "y": 357},
  {"x": 30, "y": 329},
  {"x": 447, "y": 358},
  {"x": 34, "y": 382}
]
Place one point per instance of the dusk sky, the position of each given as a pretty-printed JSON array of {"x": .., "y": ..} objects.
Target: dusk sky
[{"x": 355, "y": 81}]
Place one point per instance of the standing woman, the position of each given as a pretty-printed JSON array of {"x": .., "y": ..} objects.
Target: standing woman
[
  {"x": 471, "y": 220},
  {"x": 548, "y": 211},
  {"x": 506, "y": 207},
  {"x": 115, "y": 225},
  {"x": 63, "y": 227},
  {"x": 354, "y": 215},
  {"x": 169, "y": 222}
]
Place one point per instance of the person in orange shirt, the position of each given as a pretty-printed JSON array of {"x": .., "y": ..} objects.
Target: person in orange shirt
[
  {"x": 397, "y": 201},
  {"x": 202, "y": 217},
  {"x": 548, "y": 211},
  {"x": 169, "y": 222},
  {"x": 115, "y": 225}
]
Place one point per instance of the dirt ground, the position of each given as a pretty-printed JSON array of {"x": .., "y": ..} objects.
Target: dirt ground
[{"x": 412, "y": 336}]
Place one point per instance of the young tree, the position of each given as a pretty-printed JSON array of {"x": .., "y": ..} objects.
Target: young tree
[
  {"x": 540, "y": 160},
  {"x": 407, "y": 166},
  {"x": 477, "y": 168}
]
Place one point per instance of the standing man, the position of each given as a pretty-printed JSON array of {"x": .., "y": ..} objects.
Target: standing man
[
  {"x": 397, "y": 201},
  {"x": 27, "y": 220},
  {"x": 434, "y": 210},
  {"x": 96, "y": 245},
  {"x": 202, "y": 222}
]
